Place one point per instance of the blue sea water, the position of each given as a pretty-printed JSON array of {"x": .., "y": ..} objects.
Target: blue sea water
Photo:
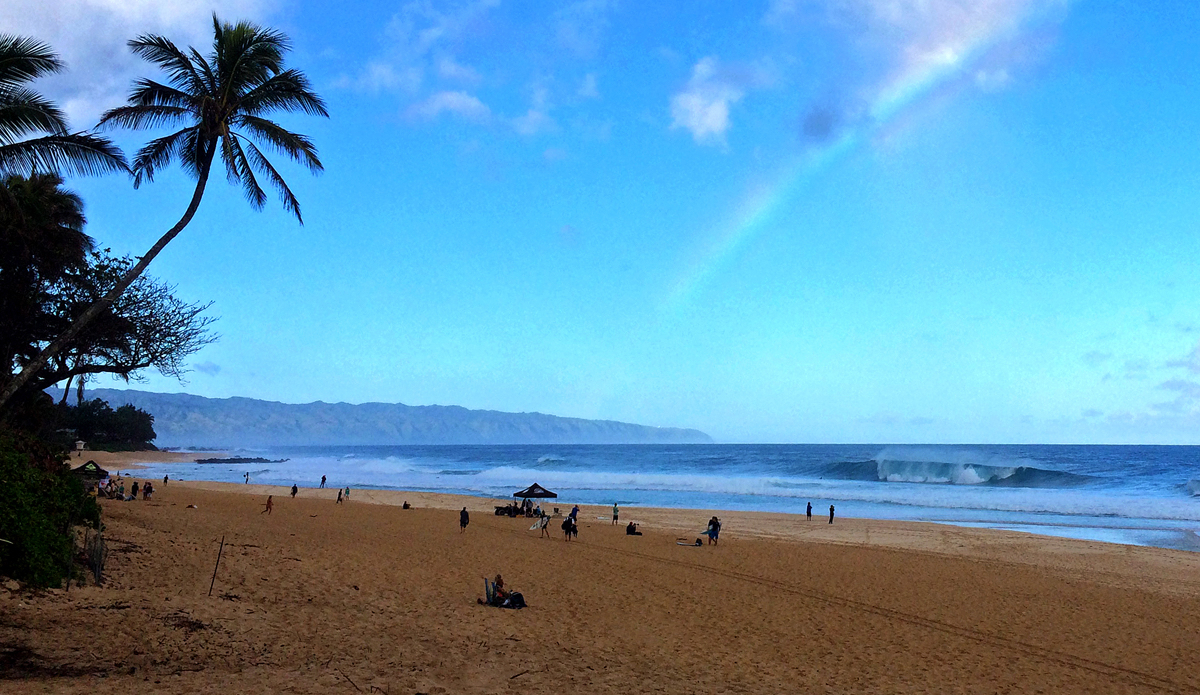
[{"x": 1144, "y": 495}]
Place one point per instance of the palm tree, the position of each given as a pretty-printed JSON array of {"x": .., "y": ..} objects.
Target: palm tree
[
  {"x": 24, "y": 112},
  {"x": 220, "y": 101}
]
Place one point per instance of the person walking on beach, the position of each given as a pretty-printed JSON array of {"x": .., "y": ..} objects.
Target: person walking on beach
[
  {"x": 714, "y": 530},
  {"x": 294, "y": 490},
  {"x": 810, "y": 511},
  {"x": 339, "y": 495},
  {"x": 545, "y": 526},
  {"x": 322, "y": 482},
  {"x": 575, "y": 513},
  {"x": 831, "y": 513},
  {"x": 463, "y": 519},
  {"x": 268, "y": 506},
  {"x": 164, "y": 481},
  {"x": 247, "y": 477},
  {"x": 616, "y": 514}
]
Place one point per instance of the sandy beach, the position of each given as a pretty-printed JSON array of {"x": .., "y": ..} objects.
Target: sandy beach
[{"x": 368, "y": 597}]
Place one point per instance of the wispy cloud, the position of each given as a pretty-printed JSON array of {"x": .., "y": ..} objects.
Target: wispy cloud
[
  {"x": 459, "y": 104},
  {"x": 209, "y": 368},
  {"x": 702, "y": 106},
  {"x": 580, "y": 26},
  {"x": 587, "y": 88},
  {"x": 537, "y": 119}
]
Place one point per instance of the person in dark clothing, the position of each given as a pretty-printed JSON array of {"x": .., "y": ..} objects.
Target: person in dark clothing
[
  {"x": 631, "y": 530},
  {"x": 463, "y": 519},
  {"x": 810, "y": 511},
  {"x": 135, "y": 490},
  {"x": 339, "y": 495},
  {"x": 322, "y": 481},
  {"x": 294, "y": 490},
  {"x": 831, "y": 513},
  {"x": 568, "y": 527}
]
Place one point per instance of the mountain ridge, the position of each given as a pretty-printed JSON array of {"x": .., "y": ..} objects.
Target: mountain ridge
[{"x": 184, "y": 419}]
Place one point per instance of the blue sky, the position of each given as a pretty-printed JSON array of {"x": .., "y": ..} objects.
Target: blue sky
[{"x": 795, "y": 221}]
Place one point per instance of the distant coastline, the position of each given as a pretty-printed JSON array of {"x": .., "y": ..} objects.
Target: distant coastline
[{"x": 184, "y": 420}]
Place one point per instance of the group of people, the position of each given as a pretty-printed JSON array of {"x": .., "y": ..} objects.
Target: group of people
[
  {"x": 809, "y": 512},
  {"x": 115, "y": 490}
]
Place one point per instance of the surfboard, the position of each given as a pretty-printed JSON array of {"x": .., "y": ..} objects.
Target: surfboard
[{"x": 536, "y": 525}]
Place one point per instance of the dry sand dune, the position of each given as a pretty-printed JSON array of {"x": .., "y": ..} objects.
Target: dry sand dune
[{"x": 363, "y": 597}]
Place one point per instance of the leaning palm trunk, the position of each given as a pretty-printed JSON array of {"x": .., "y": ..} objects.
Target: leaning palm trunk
[{"x": 89, "y": 314}]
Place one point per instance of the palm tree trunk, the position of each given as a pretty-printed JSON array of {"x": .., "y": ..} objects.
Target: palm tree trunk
[{"x": 100, "y": 305}]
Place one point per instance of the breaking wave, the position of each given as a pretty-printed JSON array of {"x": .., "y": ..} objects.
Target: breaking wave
[
  {"x": 1193, "y": 487},
  {"x": 952, "y": 468}
]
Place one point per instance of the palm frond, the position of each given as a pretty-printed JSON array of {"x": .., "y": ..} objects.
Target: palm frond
[
  {"x": 260, "y": 162},
  {"x": 167, "y": 56},
  {"x": 288, "y": 91},
  {"x": 24, "y": 111},
  {"x": 157, "y": 154},
  {"x": 296, "y": 146},
  {"x": 142, "y": 117},
  {"x": 82, "y": 154},
  {"x": 254, "y": 192},
  {"x": 24, "y": 59}
]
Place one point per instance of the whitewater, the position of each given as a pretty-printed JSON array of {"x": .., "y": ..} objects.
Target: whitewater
[{"x": 1142, "y": 495}]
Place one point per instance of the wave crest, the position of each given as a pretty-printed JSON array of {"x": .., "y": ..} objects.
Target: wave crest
[{"x": 953, "y": 473}]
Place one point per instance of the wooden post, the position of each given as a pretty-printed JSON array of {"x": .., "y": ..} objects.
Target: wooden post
[{"x": 214, "y": 579}]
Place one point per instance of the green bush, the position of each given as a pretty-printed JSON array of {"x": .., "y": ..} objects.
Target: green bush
[{"x": 40, "y": 500}]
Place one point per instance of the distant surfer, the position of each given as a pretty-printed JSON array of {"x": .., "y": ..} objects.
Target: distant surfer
[{"x": 831, "y": 513}]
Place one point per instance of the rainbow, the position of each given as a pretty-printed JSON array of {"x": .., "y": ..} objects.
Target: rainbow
[{"x": 944, "y": 64}]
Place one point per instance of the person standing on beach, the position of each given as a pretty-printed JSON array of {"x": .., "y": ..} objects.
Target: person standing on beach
[
  {"x": 545, "y": 526},
  {"x": 294, "y": 490},
  {"x": 247, "y": 477},
  {"x": 339, "y": 495},
  {"x": 268, "y": 506},
  {"x": 463, "y": 519},
  {"x": 616, "y": 514},
  {"x": 322, "y": 482},
  {"x": 164, "y": 481},
  {"x": 831, "y": 513},
  {"x": 135, "y": 490},
  {"x": 575, "y": 513},
  {"x": 810, "y": 511}
]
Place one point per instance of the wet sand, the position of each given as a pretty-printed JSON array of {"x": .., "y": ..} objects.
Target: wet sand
[{"x": 368, "y": 597}]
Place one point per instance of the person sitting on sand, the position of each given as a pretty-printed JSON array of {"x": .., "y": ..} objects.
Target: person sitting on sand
[
  {"x": 294, "y": 490},
  {"x": 631, "y": 530},
  {"x": 406, "y": 505},
  {"x": 464, "y": 518},
  {"x": 268, "y": 506},
  {"x": 498, "y": 596}
]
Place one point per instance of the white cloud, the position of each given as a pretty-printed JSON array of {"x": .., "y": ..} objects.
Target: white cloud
[
  {"x": 379, "y": 76},
  {"x": 90, "y": 35},
  {"x": 537, "y": 119},
  {"x": 458, "y": 103},
  {"x": 580, "y": 26},
  {"x": 703, "y": 105},
  {"x": 587, "y": 88},
  {"x": 451, "y": 70}
]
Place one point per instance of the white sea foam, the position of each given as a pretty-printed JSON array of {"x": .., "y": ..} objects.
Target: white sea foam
[{"x": 1193, "y": 487}]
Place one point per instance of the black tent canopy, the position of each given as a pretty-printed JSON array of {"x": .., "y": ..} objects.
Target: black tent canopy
[
  {"x": 90, "y": 470},
  {"x": 535, "y": 490}
]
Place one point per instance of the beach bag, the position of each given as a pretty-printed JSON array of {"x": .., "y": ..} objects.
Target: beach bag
[{"x": 514, "y": 600}]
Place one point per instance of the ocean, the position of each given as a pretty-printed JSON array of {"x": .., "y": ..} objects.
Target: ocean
[{"x": 1140, "y": 495}]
